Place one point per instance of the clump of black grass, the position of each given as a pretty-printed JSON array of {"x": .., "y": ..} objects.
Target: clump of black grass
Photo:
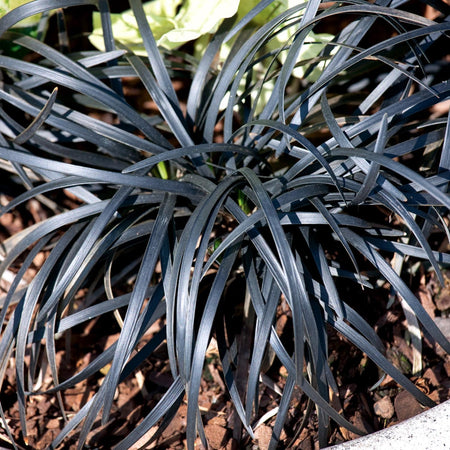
[{"x": 174, "y": 227}]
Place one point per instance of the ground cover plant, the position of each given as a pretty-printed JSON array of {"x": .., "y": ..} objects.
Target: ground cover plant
[{"x": 193, "y": 226}]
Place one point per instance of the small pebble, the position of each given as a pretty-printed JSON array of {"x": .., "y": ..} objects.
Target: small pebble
[{"x": 384, "y": 408}]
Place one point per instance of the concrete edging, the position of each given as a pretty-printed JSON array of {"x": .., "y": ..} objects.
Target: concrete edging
[{"x": 429, "y": 430}]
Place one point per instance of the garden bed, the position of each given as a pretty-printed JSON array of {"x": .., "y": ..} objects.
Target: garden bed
[{"x": 349, "y": 288}]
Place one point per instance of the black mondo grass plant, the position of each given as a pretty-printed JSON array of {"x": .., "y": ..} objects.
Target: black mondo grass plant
[{"x": 250, "y": 191}]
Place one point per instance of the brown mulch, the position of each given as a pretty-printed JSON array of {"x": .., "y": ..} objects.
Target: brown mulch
[{"x": 354, "y": 373}]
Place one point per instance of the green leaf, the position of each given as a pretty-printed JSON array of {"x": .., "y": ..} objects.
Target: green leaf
[
  {"x": 8, "y": 5},
  {"x": 196, "y": 18},
  {"x": 171, "y": 29}
]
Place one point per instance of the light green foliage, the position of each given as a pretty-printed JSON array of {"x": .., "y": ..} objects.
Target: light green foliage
[
  {"x": 8, "y": 5},
  {"x": 173, "y": 22},
  {"x": 310, "y": 49},
  {"x": 176, "y": 22}
]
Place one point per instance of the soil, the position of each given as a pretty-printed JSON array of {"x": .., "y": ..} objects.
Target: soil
[
  {"x": 355, "y": 374},
  {"x": 368, "y": 410}
]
